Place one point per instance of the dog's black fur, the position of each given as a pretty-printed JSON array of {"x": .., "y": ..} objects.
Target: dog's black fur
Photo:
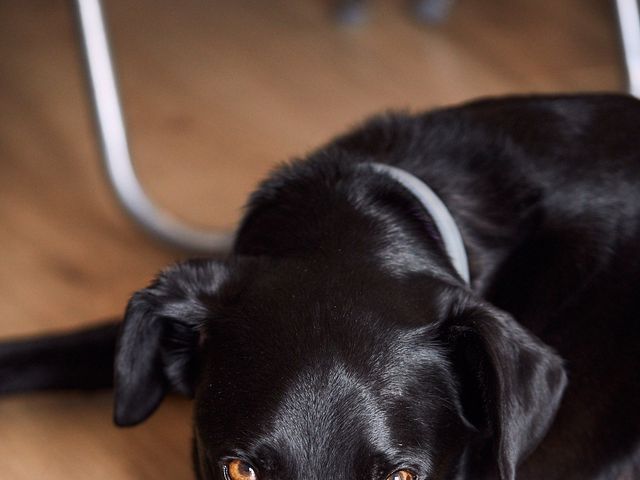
[{"x": 337, "y": 341}]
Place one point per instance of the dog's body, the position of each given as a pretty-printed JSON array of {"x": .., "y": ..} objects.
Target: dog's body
[{"x": 337, "y": 341}]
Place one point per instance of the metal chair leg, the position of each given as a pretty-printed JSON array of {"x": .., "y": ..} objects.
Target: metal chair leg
[
  {"x": 115, "y": 151},
  {"x": 629, "y": 21},
  {"x": 113, "y": 136}
]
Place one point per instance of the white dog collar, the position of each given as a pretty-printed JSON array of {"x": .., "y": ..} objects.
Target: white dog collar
[{"x": 441, "y": 216}]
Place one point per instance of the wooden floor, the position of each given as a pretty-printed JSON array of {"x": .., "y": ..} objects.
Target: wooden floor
[{"x": 216, "y": 93}]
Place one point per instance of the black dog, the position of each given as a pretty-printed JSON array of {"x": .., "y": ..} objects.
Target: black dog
[{"x": 338, "y": 341}]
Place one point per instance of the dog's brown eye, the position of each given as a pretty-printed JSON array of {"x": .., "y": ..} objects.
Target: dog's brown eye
[
  {"x": 239, "y": 470},
  {"x": 402, "y": 475}
]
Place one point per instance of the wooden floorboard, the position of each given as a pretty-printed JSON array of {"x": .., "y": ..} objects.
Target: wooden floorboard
[{"x": 216, "y": 94}]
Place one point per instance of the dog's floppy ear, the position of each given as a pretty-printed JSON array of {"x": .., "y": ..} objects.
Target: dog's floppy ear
[
  {"x": 157, "y": 349},
  {"x": 511, "y": 383}
]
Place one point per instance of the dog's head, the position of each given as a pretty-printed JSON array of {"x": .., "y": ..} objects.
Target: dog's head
[{"x": 302, "y": 368}]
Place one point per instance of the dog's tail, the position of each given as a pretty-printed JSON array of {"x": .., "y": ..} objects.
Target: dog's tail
[{"x": 81, "y": 359}]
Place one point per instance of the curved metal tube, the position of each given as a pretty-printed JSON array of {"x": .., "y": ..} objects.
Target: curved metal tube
[
  {"x": 112, "y": 133},
  {"x": 115, "y": 151},
  {"x": 629, "y": 21}
]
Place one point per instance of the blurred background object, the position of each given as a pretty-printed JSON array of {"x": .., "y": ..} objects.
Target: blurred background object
[
  {"x": 354, "y": 12},
  {"x": 216, "y": 94}
]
